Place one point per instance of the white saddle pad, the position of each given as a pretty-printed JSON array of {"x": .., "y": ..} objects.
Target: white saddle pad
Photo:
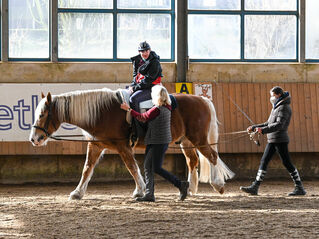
[
  {"x": 144, "y": 105},
  {"x": 126, "y": 98}
]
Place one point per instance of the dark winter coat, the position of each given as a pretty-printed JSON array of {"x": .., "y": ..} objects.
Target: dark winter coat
[
  {"x": 276, "y": 127},
  {"x": 151, "y": 69}
]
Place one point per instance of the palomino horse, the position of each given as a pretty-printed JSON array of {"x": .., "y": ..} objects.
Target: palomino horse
[{"x": 98, "y": 113}]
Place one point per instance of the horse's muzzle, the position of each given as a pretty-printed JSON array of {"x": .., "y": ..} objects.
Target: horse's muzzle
[{"x": 37, "y": 140}]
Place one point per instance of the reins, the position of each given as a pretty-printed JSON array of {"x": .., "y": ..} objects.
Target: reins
[
  {"x": 65, "y": 138},
  {"x": 251, "y": 135}
]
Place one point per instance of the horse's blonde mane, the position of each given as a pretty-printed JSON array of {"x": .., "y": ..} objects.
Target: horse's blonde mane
[{"x": 83, "y": 107}]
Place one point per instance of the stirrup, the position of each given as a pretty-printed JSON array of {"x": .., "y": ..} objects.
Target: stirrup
[{"x": 133, "y": 140}]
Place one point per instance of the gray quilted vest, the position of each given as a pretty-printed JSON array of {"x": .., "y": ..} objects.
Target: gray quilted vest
[{"x": 159, "y": 128}]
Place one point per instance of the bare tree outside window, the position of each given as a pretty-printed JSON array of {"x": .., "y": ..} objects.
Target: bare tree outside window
[
  {"x": 144, "y": 4},
  {"x": 270, "y": 37},
  {"x": 214, "y": 36},
  {"x": 85, "y": 35},
  {"x": 273, "y": 5},
  {"x": 135, "y": 28},
  {"x": 85, "y": 3},
  {"x": 29, "y": 29},
  {"x": 214, "y": 4},
  {"x": 312, "y": 29}
]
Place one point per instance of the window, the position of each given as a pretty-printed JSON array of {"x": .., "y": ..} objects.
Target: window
[
  {"x": 110, "y": 30},
  {"x": 312, "y": 30},
  {"x": 86, "y": 4},
  {"x": 271, "y": 5},
  {"x": 135, "y": 28},
  {"x": 270, "y": 37},
  {"x": 144, "y": 4},
  {"x": 214, "y": 4},
  {"x": 99, "y": 30},
  {"x": 218, "y": 36},
  {"x": 29, "y": 29},
  {"x": 85, "y": 35},
  {"x": 258, "y": 30}
]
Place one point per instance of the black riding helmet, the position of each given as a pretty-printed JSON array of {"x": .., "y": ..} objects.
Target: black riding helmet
[{"x": 143, "y": 46}]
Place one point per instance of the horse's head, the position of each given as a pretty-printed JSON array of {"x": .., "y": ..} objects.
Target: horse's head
[{"x": 45, "y": 122}]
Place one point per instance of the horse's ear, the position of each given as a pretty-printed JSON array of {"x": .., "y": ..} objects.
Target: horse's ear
[
  {"x": 42, "y": 95},
  {"x": 49, "y": 97}
]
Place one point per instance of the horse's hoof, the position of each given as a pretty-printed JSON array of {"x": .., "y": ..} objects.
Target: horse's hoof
[
  {"x": 137, "y": 195},
  {"x": 75, "y": 195},
  {"x": 221, "y": 190},
  {"x": 192, "y": 192}
]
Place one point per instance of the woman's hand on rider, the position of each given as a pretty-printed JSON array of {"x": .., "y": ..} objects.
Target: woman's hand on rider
[{"x": 125, "y": 106}]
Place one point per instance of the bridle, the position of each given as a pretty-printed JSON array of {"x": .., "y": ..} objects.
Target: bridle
[{"x": 47, "y": 122}]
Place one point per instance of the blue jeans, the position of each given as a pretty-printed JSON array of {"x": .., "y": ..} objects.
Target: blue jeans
[{"x": 139, "y": 96}]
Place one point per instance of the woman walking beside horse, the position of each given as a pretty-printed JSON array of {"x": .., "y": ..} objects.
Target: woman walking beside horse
[{"x": 157, "y": 138}]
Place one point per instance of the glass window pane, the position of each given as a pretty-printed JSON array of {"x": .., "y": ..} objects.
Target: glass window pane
[
  {"x": 218, "y": 36},
  {"x": 312, "y": 29},
  {"x": 85, "y": 4},
  {"x": 135, "y": 28},
  {"x": 271, "y": 5},
  {"x": 270, "y": 37},
  {"x": 85, "y": 35},
  {"x": 29, "y": 29},
  {"x": 214, "y": 4},
  {"x": 144, "y": 4}
]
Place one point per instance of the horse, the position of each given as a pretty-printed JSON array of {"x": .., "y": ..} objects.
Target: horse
[{"x": 97, "y": 112}]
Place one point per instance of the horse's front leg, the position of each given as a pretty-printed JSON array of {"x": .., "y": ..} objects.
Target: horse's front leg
[
  {"x": 192, "y": 163},
  {"x": 127, "y": 156},
  {"x": 92, "y": 158}
]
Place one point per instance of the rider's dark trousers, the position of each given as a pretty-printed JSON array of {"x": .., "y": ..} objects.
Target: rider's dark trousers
[
  {"x": 154, "y": 156},
  {"x": 139, "y": 96}
]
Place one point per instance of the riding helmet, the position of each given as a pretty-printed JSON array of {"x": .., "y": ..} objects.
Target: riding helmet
[{"x": 143, "y": 46}]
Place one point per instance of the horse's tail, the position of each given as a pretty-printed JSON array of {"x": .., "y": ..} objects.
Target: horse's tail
[{"x": 215, "y": 175}]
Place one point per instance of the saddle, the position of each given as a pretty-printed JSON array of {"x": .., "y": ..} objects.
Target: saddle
[
  {"x": 138, "y": 128},
  {"x": 124, "y": 96}
]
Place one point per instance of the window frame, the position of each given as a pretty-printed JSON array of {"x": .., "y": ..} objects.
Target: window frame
[
  {"x": 115, "y": 11},
  {"x": 308, "y": 60},
  {"x": 242, "y": 13},
  {"x": 48, "y": 59},
  {"x": 1, "y": 16}
]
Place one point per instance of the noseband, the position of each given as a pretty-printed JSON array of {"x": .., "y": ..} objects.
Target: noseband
[{"x": 47, "y": 122}]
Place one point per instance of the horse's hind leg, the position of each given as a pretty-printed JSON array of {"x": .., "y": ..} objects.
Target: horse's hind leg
[
  {"x": 92, "y": 156},
  {"x": 212, "y": 156},
  {"x": 192, "y": 163},
  {"x": 130, "y": 163},
  {"x": 208, "y": 152}
]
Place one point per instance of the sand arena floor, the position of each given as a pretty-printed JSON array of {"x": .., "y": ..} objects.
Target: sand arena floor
[{"x": 107, "y": 211}]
